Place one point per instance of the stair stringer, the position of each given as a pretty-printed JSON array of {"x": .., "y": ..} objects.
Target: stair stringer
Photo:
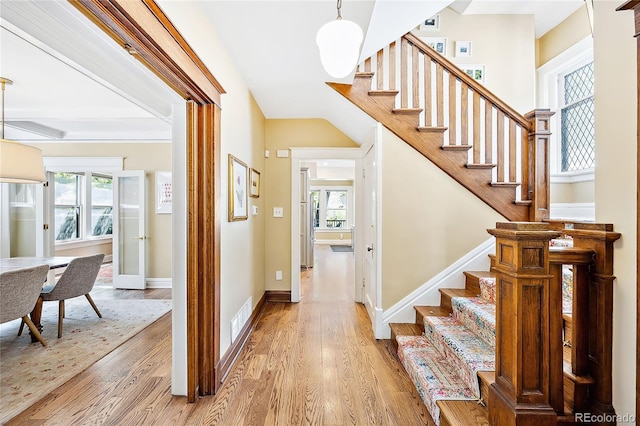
[
  {"x": 429, "y": 144},
  {"x": 428, "y": 294}
]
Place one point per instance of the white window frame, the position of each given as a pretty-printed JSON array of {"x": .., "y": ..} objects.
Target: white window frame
[
  {"x": 549, "y": 87},
  {"x": 322, "y": 226},
  {"x": 88, "y": 166}
]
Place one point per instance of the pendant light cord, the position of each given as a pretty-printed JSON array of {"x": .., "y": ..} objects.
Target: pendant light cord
[{"x": 339, "y": 9}]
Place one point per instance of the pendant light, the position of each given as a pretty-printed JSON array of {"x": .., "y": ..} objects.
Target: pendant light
[
  {"x": 19, "y": 163},
  {"x": 339, "y": 43}
]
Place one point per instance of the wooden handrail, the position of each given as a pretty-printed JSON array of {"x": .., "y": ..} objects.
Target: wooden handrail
[{"x": 464, "y": 77}]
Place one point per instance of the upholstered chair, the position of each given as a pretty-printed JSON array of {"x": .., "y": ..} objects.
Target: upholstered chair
[
  {"x": 19, "y": 292},
  {"x": 77, "y": 280}
]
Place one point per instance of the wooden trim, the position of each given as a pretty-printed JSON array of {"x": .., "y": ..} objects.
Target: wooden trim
[
  {"x": 141, "y": 27},
  {"x": 227, "y": 360},
  {"x": 278, "y": 296}
]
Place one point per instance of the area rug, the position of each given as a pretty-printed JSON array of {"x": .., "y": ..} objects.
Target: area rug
[
  {"x": 30, "y": 371},
  {"x": 337, "y": 248}
]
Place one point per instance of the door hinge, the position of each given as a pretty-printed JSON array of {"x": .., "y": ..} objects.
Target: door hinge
[
  {"x": 364, "y": 172},
  {"x": 45, "y": 226},
  {"x": 45, "y": 184},
  {"x": 364, "y": 283}
]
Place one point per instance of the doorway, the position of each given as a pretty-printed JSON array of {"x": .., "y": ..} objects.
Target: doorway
[{"x": 335, "y": 188}]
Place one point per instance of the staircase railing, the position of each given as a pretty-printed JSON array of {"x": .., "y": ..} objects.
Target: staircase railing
[
  {"x": 533, "y": 381},
  {"x": 513, "y": 147}
]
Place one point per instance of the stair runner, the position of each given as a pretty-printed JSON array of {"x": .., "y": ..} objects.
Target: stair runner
[{"x": 444, "y": 361}]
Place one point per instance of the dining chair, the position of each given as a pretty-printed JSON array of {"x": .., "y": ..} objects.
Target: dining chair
[
  {"x": 77, "y": 280},
  {"x": 19, "y": 292}
]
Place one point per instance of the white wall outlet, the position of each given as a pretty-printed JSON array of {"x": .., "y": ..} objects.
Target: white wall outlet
[
  {"x": 278, "y": 212},
  {"x": 254, "y": 210},
  {"x": 278, "y": 275},
  {"x": 266, "y": 153}
]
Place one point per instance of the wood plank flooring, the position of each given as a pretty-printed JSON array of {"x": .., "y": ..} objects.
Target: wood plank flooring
[{"x": 310, "y": 363}]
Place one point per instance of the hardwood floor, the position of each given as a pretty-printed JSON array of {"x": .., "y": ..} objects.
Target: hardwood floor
[{"x": 314, "y": 362}]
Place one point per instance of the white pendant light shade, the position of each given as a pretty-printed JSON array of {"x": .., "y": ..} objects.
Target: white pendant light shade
[
  {"x": 20, "y": 163},
  {"x": 339, "y": 42}
]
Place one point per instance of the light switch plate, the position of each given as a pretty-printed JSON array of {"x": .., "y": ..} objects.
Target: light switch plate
[
  {"x": 282, "y": 153},
  {"x": 278, "y": 212}
]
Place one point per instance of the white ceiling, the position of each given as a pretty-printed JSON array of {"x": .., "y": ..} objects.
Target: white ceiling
[{"x": 92, "y": 89}]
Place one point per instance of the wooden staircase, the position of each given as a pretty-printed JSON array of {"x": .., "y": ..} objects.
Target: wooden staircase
[
  {"x": 576, "y": 375},
  {"x": 459, "y": 125}
]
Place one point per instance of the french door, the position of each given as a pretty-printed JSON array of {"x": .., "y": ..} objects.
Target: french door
[{"x": 129, "y": 236}]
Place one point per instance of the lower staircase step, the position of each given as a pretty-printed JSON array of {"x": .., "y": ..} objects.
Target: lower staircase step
[
  {"x": 433, "y": 375},
  {"x": 467, "y": 413},
  {"x": 462, "y": 348}
]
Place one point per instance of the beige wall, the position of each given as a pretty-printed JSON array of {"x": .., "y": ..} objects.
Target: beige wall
[
  {"x": 579, "y": 192},
  {"x": 150, "y": 157},
  {"x": 564, "y": 35},
  {"x": 504, "y": 44},
  {"x": 616, "y": 180},
  {"x": 284, "y": 134},
  {"x": 428, "y": 220}
]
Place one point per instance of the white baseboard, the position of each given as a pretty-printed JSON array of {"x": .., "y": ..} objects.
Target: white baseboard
[
  {"x": 159, "y": 283},
  {"x": 428, "y": 294}
]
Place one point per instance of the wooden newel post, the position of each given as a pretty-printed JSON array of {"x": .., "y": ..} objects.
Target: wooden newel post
[
  {"x": 521, "y": 392},
  {"x": 599, "y": 237},
  {"x": 537, "y": 152}
]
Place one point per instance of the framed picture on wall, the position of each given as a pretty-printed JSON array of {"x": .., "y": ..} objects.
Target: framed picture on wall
[
  {"x": 477, "y": 72},
  {"x": 163, "y": 192},
  {"x": 439, "y": 44},
  {"x": 254, "y": 183},
  {"x": 238, "y": 173},
  {"x": 463, "y": 49},
  {"x": 430, "y": 24}
]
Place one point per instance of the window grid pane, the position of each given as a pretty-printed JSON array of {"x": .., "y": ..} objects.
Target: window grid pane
[
  {"x": 101, "y": 206},
  {"x": 578, "y": 84},
  {"x": 578, "y": 147}
]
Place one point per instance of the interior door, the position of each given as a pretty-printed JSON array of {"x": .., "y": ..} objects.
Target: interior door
[
  {"x": 129, "y": 229},
  {"x": 369, "y": 232}
]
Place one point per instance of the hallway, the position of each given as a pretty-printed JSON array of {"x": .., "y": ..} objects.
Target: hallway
[{"x": 314, "y": 362}]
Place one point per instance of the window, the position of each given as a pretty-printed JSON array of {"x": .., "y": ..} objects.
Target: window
[
  {"x": 577, "y": 120},
  {"x": 331, "y": 207},
  {"x": 566, "y": 87},
  {"x": 82, "y": 211},
  {"x": 101, "y": 205},
  {"x": 67, "y": 206}
]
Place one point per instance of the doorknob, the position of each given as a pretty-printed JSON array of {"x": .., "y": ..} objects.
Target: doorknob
[
  {"x": 138, "y": 238},
  {"x": 369, "y": 248}
]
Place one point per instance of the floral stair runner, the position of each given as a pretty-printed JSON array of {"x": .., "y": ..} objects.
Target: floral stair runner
[{"x": 444, "y": 362}]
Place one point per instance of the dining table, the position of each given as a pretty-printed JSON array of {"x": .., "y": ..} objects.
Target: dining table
[{"x": 8, "y": 264}]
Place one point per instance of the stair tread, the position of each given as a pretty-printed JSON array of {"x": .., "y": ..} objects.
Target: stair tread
[
  {"x": 404, "y": 329},
  {"x": 480, "y": 166},
  {"x": 458, "y": 292},
  {"x": 437, "y": 311},
  {"x": 463, "y": 413},
  {"x": 383, "y": 92},
  {"x": 456, "y": 147},
  {"x": 435, "y": 129},
  {"x": 407, "y": 110}
]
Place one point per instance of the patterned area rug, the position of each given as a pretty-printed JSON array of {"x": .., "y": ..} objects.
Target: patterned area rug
[{"x": 29, "y": 371}]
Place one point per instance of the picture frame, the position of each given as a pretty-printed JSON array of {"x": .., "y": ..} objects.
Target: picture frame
[
  {"x": 430, "y": 24},
  {"x": 463, "y": 49},
  {"x": 238, "y": 185},
  {"x": 439, "y": 44},
  {"x": 477, "y": 72},
  {"x": 163, "y": 192},
  {"x": 254, "y": 183}
]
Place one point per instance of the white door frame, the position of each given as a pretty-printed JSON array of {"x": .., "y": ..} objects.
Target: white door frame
[{"x": 299, "y": 155}]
